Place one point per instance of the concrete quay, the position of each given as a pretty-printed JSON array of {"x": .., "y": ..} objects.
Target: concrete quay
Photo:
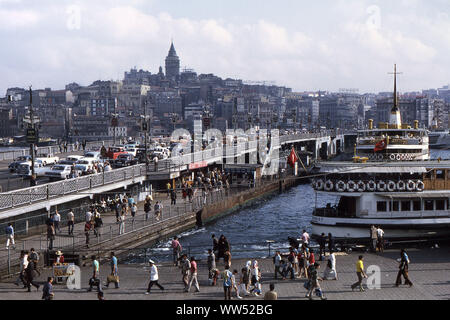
[{"x": 429, "y": 271}]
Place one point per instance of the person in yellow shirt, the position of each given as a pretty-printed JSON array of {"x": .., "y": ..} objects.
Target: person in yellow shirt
[{"x": 360, "y": 273}]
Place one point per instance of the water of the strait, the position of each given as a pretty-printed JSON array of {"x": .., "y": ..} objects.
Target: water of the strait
[{"x": 275, "y": 218}]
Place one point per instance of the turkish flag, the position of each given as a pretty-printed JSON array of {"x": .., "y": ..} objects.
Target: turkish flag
[
  {"x": 292, "y": 159},
  {"x": 380, "y": 146}
]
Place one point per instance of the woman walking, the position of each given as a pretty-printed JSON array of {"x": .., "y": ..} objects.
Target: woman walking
[{"x": 330, "y": 271}]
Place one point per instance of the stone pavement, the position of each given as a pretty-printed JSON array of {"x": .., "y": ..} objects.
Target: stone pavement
[{"x": 429, "y": 271}]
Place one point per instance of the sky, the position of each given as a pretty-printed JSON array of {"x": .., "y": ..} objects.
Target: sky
[{"x": 304, "y": 45}]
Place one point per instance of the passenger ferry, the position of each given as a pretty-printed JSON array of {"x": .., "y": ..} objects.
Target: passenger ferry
[{"x": 391, "y": 183}]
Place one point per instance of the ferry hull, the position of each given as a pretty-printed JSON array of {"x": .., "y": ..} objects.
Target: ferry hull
[{"x": 395, "y": 229}]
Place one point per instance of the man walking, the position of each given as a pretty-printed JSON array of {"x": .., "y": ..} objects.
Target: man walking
[
  {"x": 153, "y": 277},
  {"x": 360, "y": 273},
  {"x": 380, "y": 236},
  {"x": 114, "y": 276},
  {"x": 277, "y": 263},
  {"x": 314, "y": 286},
  {"x": 50, "y": 235},
  {"x": 373, "y": 238},
  {"x": 305, "y": 237},
  {"x": 176, "y": 250},
  {"x": 10, "y": 236},
  {"x": 193, "y": 279},
  {"x": 23, "y": 267},
  {"x": 173, "y": 197},
  {"x": 227, "y": 282},
  {"x": 158, "y": 209},
  {"x": 185, "y": 269},
  {"x": 70, "y": 222},
  {"x": 57, "y": 220},
  {"x": 403, "y": 269},
  {"x": 29, "y": 271},
  {"x": 211, "y": 267},
  {"x": 95, "y": 280}
]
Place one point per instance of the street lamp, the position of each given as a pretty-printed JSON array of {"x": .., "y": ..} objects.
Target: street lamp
[
  {"x": 145, "y": 118},
  {"x": 32, "y": 136}
]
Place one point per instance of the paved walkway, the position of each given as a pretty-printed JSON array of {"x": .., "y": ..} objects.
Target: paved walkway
[
  {"x": 429, "y": 271},
  {"x": 109, "y": 230}
]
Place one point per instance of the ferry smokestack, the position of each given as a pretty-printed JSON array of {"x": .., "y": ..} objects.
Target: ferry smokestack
[
  {"x": 370, "y": 124},
  {"x": 416, "y": 124}
]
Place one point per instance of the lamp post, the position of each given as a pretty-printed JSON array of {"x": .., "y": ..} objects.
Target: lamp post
[
  {"x": 145, "y": 118},
  {"x": 32, "y": 136}
]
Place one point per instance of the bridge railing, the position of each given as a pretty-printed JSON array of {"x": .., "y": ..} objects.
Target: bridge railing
[{"x": 14, "y": 154}]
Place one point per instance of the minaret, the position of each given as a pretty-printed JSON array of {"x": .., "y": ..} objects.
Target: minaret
[{"x": 395, "y": 121}]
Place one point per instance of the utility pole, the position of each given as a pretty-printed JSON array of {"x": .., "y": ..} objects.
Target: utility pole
[{"x": 114, "y": 122}]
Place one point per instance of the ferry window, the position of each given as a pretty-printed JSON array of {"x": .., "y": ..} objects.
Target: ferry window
[
  {"x": 429, "y": 174},
  {"x": 428, "y": 205},
  {"x": 440, "y": 174},
  {"x": 406, "y": 206},
  {"x": 417, "y": 205},
  {"x": 395, "y": 206},
  {"x": 381, "y": 206},
  {"x": 440, "y": 204}
]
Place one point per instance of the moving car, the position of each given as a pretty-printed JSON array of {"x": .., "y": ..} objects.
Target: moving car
[
  {"x": 84, "y": 164},
  {"x": 24, "y": 169},
  {"x": 13, "y": 165},
  {"x": 70, "y": 160},
  {"x": 48, "y": 158},
  {"x": 114, "y": 152},
  {"x": 59, "y": 171},
  {"x": 93, "y": 155},
  {"x": 125, "y": 160}
]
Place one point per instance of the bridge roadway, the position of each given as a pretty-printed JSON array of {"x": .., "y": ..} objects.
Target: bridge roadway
[{"x": 47, "y": 195}]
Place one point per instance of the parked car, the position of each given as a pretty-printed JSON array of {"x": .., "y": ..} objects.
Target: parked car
[
  {"x": 24, "y": 169},
  {"x": 70, "y": 160},
  {"x": 59, "y": 171},
  {"x": 48, "y": 158},
  {"x": 125, "y": 160},
  {"x": 13, "y": 165}
]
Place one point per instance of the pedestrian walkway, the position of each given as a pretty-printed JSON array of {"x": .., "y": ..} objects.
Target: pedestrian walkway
[
  {"x": 110, "y": 229},
  {"x": 429, "y": 271}
]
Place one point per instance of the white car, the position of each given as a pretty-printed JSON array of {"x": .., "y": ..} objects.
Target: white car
[
  {"x": 59, "y": 171},
  {"x": 24, "y": 169},
  {"x": 70, "y": 160},
  {"x": 95, "y": 155},
  {"x": 84, "y": 164},
  {"x": 131, "y": 150},
  {"x": 48, "y": 159}
]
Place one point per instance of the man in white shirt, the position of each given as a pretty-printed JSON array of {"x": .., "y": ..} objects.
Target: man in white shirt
[
  {"x": 153, "y": 277},
  {"x": 23, "y": 267},
  {"x": 380, "y": 240},
  {"x": 305, "y": 237},
  {"x": 70, "y": 221},
  {"x": 88, "y": 216},
  {"x": 57, "y": 220}
]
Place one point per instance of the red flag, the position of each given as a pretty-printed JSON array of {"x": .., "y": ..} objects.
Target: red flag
[
  {"x": 380, "y": 146},
  {"x": 292, "y": 159}
]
